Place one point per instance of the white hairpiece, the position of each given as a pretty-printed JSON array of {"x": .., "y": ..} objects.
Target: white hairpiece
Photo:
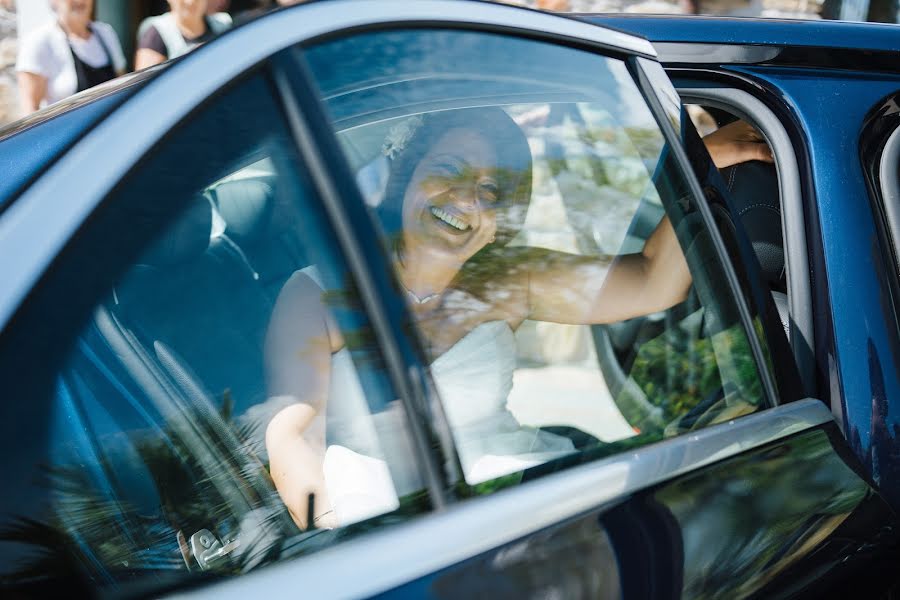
[{"x": 399, "y": 136}]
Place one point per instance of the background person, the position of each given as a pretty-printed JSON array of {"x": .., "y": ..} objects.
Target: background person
[
  {"x": 177, "y": 32},
  {"x": 66, "y": 56}
]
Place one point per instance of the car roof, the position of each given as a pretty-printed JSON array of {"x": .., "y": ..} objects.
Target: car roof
[
  {"x": 31, "y": 144},
  {"x": 754, "y": 31}
]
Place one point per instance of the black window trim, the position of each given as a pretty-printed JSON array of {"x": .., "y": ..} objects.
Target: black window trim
[
  {"x": 674, "y": 140},
  {"x": 751, "y": 109}
]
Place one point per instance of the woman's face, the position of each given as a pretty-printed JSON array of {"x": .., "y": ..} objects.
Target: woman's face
[
  {"x": 74, "y": 10},
  {"x": 188, "y": 9},
  {"x": 450, "y": 204}
]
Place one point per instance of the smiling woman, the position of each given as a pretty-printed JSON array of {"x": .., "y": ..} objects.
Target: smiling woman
[
  {"x": 455, "y": 153},
  {"x": 457, "y": 195}
]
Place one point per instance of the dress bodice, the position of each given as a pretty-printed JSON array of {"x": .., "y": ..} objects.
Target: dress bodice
[
  {"x": 473, "y": 378},
  {"x": 475, "y": 375}
]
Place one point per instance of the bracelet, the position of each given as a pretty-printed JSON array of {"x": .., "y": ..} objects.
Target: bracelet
[{"x": 327, "y": 512}]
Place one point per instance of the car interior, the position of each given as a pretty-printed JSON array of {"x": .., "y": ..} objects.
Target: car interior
[
  {"x": 185, "y": 452},
  {"x": 185, "y": 444},
  {"x": 753, "y": 195},
  {"x": 755, "y": 198}
]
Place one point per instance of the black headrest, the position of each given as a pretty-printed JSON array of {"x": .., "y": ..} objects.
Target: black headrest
[
  {"x": 186, "y": 238},
  {"x": 246, "y": 207},
  {"x": 754, "y": 194}
]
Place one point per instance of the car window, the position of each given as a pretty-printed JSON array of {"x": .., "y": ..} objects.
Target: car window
[
  {"x": 520, "y": 201},
  {"x": 189, "y": 367}
]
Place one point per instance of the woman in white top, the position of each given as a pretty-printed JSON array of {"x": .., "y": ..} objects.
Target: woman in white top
[
  {"x": 457, "y": 193},
  {"x": 71, "y": 54}
]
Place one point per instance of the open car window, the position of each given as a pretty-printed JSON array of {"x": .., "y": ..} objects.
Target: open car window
[{"x": 539, "y": 355}]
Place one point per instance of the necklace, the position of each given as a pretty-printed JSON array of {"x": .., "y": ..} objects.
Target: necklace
[{"x": 414, "y": 297}]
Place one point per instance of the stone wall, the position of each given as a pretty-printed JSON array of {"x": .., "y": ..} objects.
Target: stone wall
[{"x": 9, "y": 99}]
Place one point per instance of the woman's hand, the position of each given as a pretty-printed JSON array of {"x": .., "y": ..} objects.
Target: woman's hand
[
  {"x": 298, "y": 368},
  {"x": 736, "y": 143},
  {"x": 296, "y": 466}
]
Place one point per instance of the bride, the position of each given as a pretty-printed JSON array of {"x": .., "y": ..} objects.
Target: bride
[{"x": 458, "y": 191}]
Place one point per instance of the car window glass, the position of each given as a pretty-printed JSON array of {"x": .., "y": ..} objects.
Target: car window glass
[
  {"x": 180, "y": 420},
  {"x": 519, "y": 201}
]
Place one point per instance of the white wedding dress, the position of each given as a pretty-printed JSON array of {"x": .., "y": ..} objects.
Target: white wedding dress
[
  {"x": 368, "y": 461},
  {"x": 473, "y": 378}
]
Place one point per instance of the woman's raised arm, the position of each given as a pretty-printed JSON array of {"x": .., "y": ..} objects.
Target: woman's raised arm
[
  {"x": 573, "y": 289},
  {"x": 565, "y": 288}
]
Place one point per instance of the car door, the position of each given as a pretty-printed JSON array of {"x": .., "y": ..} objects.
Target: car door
[
  {"x": 689, "y": 483},
  {"x": 140, "y": 403},
  {"x": 776, "y": 75},
  {"x": 369, "y": 95}
]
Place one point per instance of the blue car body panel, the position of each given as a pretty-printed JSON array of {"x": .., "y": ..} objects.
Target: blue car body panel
[
  {"x": 30, "y": 145},
  {"x": 771, "y": 32},
  {"x": 710, "y": 530}
]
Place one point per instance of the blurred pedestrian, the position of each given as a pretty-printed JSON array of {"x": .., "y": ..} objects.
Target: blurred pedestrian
[
  {"x": 68, "y": 55},
  {"x": 177, "y": 32}
]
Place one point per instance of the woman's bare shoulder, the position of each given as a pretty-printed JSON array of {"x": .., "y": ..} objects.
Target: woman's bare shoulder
[
  {"x": 302, "y": 302},
  {"x": 303, "y": 283}
]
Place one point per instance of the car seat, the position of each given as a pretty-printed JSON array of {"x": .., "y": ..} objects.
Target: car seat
[
  {"x": 262, "y": 227},
  {"x": 188, "y": 323},
  {"x": 754, "y": 196}
]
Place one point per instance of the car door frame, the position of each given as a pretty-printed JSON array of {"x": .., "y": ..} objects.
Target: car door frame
[
  {"x": 740, "y": 72},
  {"x": 854, "y": 322}
]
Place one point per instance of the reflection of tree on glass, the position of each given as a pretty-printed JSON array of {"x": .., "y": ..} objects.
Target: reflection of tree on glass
[{"x": 457, "y": 193}]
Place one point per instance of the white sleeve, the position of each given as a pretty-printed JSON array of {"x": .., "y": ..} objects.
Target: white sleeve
[
  {"x": 111, "y": 39},
  {"x": 35, "y": 55}
]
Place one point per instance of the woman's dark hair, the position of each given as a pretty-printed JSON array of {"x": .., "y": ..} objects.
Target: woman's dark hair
[{"x": 513, "y": 166}]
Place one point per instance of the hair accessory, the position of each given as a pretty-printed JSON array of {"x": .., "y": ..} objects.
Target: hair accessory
[{"x": 399, "y": 136}]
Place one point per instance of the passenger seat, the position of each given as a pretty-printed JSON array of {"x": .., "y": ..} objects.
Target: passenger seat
[
  {"x": 198, "y": 307},
  {"x": 262, "y": 229},
  {"x": 755, "y": 197}
]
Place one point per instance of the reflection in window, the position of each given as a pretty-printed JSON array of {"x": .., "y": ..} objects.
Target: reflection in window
[
  {"x": 566, "y": 293},
  {"x": 158, "y": 461}
]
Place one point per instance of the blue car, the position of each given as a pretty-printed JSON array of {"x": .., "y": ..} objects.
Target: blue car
[{"x": 224, "y": 379}]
